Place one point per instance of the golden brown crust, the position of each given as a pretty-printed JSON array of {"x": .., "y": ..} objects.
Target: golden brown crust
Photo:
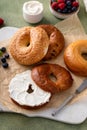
[
  {"x": 44, "y": 74},
  {"x": 73, "y": 57},
  {"x": 29, "y": 45},
  {"x": 56, "y": 43}
]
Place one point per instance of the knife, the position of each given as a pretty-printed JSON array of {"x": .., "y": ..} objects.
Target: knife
[{"x": 82, "y": 87}]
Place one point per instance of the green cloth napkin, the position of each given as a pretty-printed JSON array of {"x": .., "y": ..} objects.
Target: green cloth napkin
[{"x": 11, "y": 12}]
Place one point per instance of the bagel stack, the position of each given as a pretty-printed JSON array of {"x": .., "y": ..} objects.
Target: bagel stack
[{"x": 30, "y": 45}]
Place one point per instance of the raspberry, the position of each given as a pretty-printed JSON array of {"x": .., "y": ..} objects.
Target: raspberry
[
  {"x": 75, "y": 4},
  {"x": 61, "y": 5},
  {"x": 60, "y": 1},
  {"x": 1, "y": 21},
  {"x": 55, "y": 5}
]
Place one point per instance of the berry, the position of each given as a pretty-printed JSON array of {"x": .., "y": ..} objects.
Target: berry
[
  {"x": 65, "y": 6},
  {"x": 68, "y": 2},
  {"x": 1, "y": 21},
  {"x": 5, "y": 65},
  {"x": 3, "y": 56},
  {"x": 65, "y": 10},
  {"x": 55, "y": 5},
  {"x": 74, "y": 9},
  {"x": 69, "y": 11},
  {"x": 69, "y": 6},
  {"x": 3, "y": 60},
  {"x": 75, "y": 3},
  {"x": 59, "y": 10},
  {"x": 6, "y": 55},
  {"x": 3, "y": 49},
  {"x": 61, "y": 5},
  {"x": 60, "y": 1}
]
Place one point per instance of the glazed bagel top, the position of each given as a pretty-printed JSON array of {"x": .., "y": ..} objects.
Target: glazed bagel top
[
  {"x": 29, "y": 45},
  {"x": 52, "y": 77},
  {"x": 74, "y": 57},
  {"x": 56, "y": 42}
]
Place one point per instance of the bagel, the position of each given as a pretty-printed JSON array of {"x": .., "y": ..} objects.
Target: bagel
[
  {"x": 74, "y": 57},
  {"x": 25, "y": 93},
  {"x": 51, "y": 77},
  {"x": 29, "y": 45},
  {"x": 56, "y": 43}
]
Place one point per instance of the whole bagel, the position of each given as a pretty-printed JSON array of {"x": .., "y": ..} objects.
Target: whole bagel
[
  {"x": 51, "y": 77},
  {"x": 29, "y": 45},
  {"x": 56, "y": 42},
  {"x": 74, "y": 57}
]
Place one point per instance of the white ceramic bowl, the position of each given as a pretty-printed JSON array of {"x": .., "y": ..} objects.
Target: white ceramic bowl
[{"x": 62, "y": 15}]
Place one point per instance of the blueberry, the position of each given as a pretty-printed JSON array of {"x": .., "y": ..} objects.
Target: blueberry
[
  {"x": 5, "y": 65},
  {"x": 59, "y": 10},
  {"x": 3, "y": 60},
  {"x": 69, "y": 6},
  {"x": 68, "y": 2},
  {"x": 6, "y": 55},
  {"x": 69, "y": 11},
  {"x": 3, "y": 49},
  {"x": 74, "y": 9},
  {"x": 65, "y": 10}
]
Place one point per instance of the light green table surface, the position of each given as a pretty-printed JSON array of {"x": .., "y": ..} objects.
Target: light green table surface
[{"x": 11, "y": 12}]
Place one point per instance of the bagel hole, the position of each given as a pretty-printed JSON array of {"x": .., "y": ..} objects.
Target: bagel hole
[
  {"x": 30, "y": 90},
  {"x": 52, "y": 77},
  {"x": 28, "y": 44},
  {"x": 52, "y": 54},
  {"x": 84, "y": 55},
  {"x": 57, "y": 45}
]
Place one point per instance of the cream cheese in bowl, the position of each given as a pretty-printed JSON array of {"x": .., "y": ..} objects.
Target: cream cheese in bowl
[{"x": 33, "y": 11}]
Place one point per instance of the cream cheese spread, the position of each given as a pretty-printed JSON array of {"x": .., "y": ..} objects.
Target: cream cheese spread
[
  {"x": 18, "y": 89},
  {"x": 33, "y": 11}
]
